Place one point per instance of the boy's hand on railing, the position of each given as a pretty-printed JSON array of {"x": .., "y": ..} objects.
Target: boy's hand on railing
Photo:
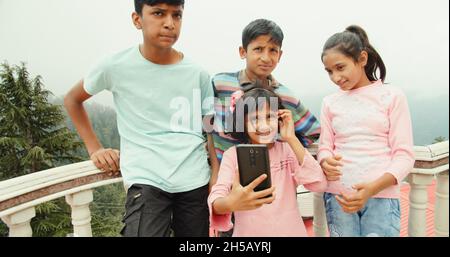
[
  {"x": 245, "y": 198},
  {"x": 332, "y": 167},
  {"x": 107, "y": 160}
]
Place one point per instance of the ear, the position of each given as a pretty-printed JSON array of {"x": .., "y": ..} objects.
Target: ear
[
  {"x": 363, "y": 58},
  {"x": 136, "y": 20},
  {"x": 242, "y": 53}
]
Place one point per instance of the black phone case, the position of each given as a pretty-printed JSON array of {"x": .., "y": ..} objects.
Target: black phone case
[{"x": 253, "y": 161}]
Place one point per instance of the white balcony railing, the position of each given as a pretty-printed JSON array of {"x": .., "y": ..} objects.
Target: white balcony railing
[{"x": 20, "y": 196}]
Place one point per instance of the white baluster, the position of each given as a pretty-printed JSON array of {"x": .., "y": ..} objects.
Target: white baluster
[
  {"x": 19, "y": 223},
  {"x": 441, "y": 209},
  {"x": 320, "y": 219},
  {"x": 81, "y": 215},
  {"x": 418, "y": 203}
]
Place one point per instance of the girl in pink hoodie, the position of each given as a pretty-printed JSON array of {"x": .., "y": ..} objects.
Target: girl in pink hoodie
[
  {"x": 366, "y": 144},
  {"x": 290, "y": 164}
]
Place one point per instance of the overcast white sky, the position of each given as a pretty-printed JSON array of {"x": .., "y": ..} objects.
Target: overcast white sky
[{"x": 62, "y": 39}]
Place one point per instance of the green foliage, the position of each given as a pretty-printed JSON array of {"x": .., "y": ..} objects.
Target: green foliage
[
  {"x": 107, "y": 210},
  {"x": 439, "y": 139},
  {"x": 36, "y": 135},
  {"x": 32, "y": 132}
]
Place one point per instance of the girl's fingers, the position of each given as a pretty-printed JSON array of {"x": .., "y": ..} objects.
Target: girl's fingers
[
  {"x": 330, "y": 178},
  {"x": 351, "y": 200},
  {"x": 333, "y": 162},
  {"x": 263, "y": 201},
  {"x": 256, "y": 182},
  {"x": 264, "y": 193},
  {"x": 331, "y": 170}
]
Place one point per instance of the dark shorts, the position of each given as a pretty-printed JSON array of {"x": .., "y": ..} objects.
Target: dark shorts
[{"x": 152, "y": 212}]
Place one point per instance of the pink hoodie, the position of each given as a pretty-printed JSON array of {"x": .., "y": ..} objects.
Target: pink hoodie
[
  {"x": 370, "y": 128},
  {"x": 282, "y": 217}
]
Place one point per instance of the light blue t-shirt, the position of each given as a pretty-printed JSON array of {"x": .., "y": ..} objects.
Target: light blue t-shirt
[{"x": 159, "y": 115}]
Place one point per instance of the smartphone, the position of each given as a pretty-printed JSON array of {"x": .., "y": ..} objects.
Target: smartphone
[{"x": 253, "y": 161}]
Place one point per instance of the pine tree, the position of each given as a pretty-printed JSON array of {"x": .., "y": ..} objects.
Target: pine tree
[
  {"x": 33, "y": 136},
  {"x": 439, "y": 139}
]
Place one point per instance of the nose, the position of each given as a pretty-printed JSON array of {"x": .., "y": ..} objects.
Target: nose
[
  {"x": 168, "y": 23},
  {"x": 262, "y": 126},
  {"x": 336, "y": 78},
  {"x": 265, "y": 57}
]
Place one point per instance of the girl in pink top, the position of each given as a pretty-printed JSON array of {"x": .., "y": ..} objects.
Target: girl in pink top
[
  {"x": 366, "y": 144},
  {"x": 290, "y": 164}
]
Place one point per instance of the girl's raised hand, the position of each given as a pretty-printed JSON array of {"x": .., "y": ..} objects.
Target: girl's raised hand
[
  {"x": 286, "y": 123},
  {"x": 245, "y": 198}
]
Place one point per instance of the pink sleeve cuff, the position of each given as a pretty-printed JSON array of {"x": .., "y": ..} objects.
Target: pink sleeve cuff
[
  {"x": 218, "y": 222},
  {"x": 310, "y": 174},
  {"x": 323, "y": 154},
  {"x": 401, "y": 168}
]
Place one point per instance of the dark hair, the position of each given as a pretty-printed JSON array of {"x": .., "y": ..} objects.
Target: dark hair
[
  {"x": 139, "y": 4},
  {"x": 262, "y": 27},
  {"x": 351, "y": 43},
  {"x": 256, "y": 96}
]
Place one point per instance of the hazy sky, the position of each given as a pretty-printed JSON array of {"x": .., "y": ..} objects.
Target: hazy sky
[{"x": 62, "y": 39}]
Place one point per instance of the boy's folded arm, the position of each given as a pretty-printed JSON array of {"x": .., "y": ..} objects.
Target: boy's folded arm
[{"x": 73, "y": 103}]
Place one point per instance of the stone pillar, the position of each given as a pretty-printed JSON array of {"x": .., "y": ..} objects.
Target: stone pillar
[
  {"x": 81, "y": 215},
  {"x": 418, "y": 203},
  {"x": 320, "y": 219},
  {"x": 19, "y": 223},
  {"x": 441, "y": 208}
]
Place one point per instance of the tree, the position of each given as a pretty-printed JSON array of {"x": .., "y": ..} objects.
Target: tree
[
  {"x": 28, "y": 121},
  {"x": 439, "y": 139},
  {"x": 33, "y": 136}
]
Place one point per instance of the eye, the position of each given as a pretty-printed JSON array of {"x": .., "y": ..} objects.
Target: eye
[
  {"x": 157, "y": 13},
  {"x": 179, "y": 16},
  {"x": 340, "y": 68},
  {"x": 258, "y": 49},
  {"x": 274, "y": 50}
]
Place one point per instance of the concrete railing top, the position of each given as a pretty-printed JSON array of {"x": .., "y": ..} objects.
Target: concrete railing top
[
  {"x": 30, "y": 190},
  {"x": 432, "y": 159}
]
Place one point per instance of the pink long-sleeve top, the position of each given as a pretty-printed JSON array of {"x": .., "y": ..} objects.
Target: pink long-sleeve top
[
  {"x": 282, "y": 217},
  {"x": 371, "y": 129}
]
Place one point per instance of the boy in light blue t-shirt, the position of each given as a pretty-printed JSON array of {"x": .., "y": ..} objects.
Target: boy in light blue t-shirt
[{"x": 160, "y": 97}]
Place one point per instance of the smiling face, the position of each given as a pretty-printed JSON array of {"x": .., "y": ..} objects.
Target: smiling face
[
  {"x": 160, "y": 24},
  {"x": 262, "y": 56},
  {"x": 262, "y": 126},
  {"x": 344, "y": 71}
]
